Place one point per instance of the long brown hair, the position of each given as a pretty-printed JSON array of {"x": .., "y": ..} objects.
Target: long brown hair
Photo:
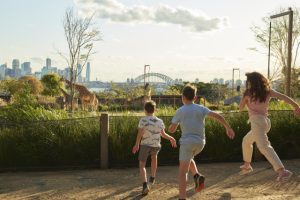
[{"x": 257, "y": 87}]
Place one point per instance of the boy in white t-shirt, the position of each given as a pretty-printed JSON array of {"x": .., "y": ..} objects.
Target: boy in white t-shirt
[{"x": 147, "y": 143}]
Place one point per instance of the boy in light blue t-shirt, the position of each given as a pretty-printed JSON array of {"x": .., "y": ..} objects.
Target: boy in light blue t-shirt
[{"x": 191, "y": 118}]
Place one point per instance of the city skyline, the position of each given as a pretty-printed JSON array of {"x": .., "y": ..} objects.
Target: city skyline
[
  {"x": 201, "y": 43},
  {"x": 16, "y": 71}
]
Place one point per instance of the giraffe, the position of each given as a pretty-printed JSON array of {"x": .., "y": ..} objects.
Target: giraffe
[
  {"x": 67, "y": 99},
  {"x": 87, "y": 98}
]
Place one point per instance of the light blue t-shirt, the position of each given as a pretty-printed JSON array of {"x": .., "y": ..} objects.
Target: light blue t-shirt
[{"x": 191, "y": 118}]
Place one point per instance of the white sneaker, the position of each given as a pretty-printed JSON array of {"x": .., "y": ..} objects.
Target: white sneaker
[
  {"x": 284, "y": 176},
  {"x": 245, "y": 170}
]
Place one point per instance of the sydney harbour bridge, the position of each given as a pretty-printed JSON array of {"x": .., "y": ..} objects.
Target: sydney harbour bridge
[{"x": 156, "y": 80}]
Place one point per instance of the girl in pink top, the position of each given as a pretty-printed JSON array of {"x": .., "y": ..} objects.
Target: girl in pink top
[{"x": 256, "y": 97}]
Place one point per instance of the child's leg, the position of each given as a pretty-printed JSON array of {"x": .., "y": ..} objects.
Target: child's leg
[
  {"x": 247, "y": 146},
  {"x": 153, "y": 165},
  {"x": 183, "y": 170},
  {"x": 193, "y": 168},
  {"x": 143, "y": 172},
  {"x": 154, "y": 152},
  {"x": 143, "y": 155}
]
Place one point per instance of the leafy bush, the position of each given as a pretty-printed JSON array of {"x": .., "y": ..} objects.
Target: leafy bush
[
  {"x": 50, "y": 143},
  {"x": 52, "y": 84},
  {"x": 35, "y": 84}
]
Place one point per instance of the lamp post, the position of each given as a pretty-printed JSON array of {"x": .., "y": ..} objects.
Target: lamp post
[
  {"x": 234, "y": 69},
  {"x": 289, "y": 58}
]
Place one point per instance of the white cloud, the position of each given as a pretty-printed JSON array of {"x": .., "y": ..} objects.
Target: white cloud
[{"x": 115, "y": 11}]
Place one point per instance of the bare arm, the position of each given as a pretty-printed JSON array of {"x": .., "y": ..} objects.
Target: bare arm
[
  {"x": 230, "y": 133},
  {"x": 172, "y": 128},
  {"x": 285, "y": 98},
  {"x": 243, "y": 103},
  {"x": 138, "y": 140},
  {"x": 168, "y": 137}
]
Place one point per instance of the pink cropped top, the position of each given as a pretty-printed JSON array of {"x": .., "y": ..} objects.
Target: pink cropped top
[{"x": 258, "y": 108}]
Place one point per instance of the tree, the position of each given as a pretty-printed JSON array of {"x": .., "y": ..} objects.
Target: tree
[
  {"x": 36, "y": 86},
  {"x": 52, "y": 84},
  {"x": 10, "y": 85},
  {"x": 279, "y": 43},
  {"x": 81, "y": 36},
  {"x": 173, "y": 90}
]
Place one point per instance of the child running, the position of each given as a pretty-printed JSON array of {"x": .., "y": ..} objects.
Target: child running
[
  {"x": 191, "y": 118},
  {"x": 148, "y": 143},
  {"x": 257, "y": 96}
]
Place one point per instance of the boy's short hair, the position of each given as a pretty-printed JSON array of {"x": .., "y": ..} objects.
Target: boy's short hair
[
  {"x": 150, "y": 106},
  {"x": 189, "y": 92}
]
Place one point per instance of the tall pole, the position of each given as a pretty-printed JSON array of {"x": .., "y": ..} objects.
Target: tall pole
[
  {"x": 269, "y": 53},
  {"x": 289, "y": 60}
]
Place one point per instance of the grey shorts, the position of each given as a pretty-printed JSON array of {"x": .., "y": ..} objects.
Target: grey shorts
[
  {"x": 145, "y": 151},
  {"x": 188, "y": 151}
]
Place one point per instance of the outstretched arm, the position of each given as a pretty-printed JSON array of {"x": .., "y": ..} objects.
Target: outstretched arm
[
  {"x": 168, "y": 137},
  {"x": 139, "y": 136},
  {"x": 286, "y": 99},
  {"x": 230, "y": 133},
  {"x": 243, "y": 102}
]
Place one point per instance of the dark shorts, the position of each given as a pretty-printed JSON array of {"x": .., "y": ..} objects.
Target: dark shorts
[{"x": 145, "y": 151}]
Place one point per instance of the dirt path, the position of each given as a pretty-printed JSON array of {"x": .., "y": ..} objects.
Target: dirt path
[{"x": 223, "y": 182}]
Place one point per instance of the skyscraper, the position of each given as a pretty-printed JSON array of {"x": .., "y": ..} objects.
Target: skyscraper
[
  {"x": 48, "y": 62},
  {"x": 88, "y": 72},
  {"x": 16, "y": 68},
  {"x": 25, "y": 68},
  {"x": 2, "y": 71},
  {"x": 15, "y": 64}
]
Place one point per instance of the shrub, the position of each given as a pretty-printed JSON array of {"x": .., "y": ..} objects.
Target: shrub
[
  {"x": 52, "y": 84},
  {"x": 50, "y": 143},
  {"x": 36, "y": 86}
]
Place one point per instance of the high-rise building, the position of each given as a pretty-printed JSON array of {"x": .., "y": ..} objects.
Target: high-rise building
[
  {"x": 48, "y": 62},
  {"x": 25, "y": 68},
  {"x": 88, "y": 72},
  {"x": 48, "y": 69},
  {"x": 3, "y": 71},
  {"x": 15, "y": 64},
  {"x": 16, "y": 68},
  {"x": 9, "y": 72}
]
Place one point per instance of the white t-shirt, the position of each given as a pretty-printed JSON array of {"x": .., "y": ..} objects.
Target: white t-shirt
[{"x": 152, "y": 129}]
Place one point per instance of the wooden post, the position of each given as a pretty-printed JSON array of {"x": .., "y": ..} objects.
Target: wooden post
[{"x": 104, "y": 130}]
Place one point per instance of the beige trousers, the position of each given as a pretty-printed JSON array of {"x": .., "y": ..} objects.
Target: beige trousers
[{"x": 260, "y": 126}]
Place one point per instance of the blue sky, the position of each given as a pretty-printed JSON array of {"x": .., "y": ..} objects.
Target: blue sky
[{"x": 186, "y": 45}]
